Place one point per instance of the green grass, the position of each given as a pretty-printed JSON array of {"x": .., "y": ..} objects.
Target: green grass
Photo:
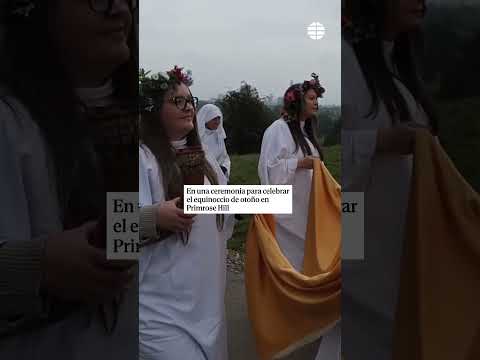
[
  {"x": 244, "y": 172},
  {"x": 333, "y": 156}
]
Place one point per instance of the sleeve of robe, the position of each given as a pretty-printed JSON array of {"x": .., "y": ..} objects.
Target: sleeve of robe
[
  {"x": 224, "y": 159},
  {"x": 221, "y": 177},
  {"x": 21, "y": 255},
  {"x": 358, "y": 141},
  {"x": 145, "y": 194},
  {"x": 147, "y": 174},
  {"x": 148, "y": 224},
  {"x": 148, "y": 183},
  {"x": 278, "y": 161}
]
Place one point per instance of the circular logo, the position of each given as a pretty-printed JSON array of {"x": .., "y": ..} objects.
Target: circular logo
[{"x": 316, "y": 31}]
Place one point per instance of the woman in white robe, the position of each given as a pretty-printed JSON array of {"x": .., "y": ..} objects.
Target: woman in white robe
[
  {"x": 181, "y": 284},
  {"x": 283, "y": 162},
  {"x": 212, "y": 135},
  {"x": 376, "y": 160}
]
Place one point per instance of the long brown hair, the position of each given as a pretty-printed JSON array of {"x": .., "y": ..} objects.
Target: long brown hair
[{"x": 154, "y": 136}]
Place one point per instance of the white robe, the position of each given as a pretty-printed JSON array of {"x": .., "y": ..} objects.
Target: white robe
[
  {"x": 370, "y": 287},
  {"x": 182, "y": 288},
  {"x": 213, "y": 142},
  {"x": 278, "y": 166}
]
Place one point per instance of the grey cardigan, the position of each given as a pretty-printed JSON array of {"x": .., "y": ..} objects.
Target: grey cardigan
[{"x": 29, "y": 212}]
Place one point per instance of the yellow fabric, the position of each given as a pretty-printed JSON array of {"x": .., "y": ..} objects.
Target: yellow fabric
[
  {"x": 438, "y": 314},
  {"x": 288, "y": 309}
]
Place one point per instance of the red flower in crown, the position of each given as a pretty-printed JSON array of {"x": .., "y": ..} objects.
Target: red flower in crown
[
  {"x": 176, "y": 72},
  {"x": 293, "y": 98},
  {"x": 182, "y": 77},
  {"x": 290, "y": 96}
]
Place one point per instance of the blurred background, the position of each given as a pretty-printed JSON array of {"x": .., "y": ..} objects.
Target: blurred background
[{"x": 452, "y": 57}]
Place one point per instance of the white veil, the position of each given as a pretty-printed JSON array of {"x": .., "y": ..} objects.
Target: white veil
[{"x": 204, "y": 115}]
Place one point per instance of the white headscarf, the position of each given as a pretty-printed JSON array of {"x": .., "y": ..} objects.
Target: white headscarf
[{"x": 204, "y": 115}]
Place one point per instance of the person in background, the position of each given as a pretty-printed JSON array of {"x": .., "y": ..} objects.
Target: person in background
[
  {"x": 286, "y": 157},
  {"x": 212, "y": 135},
  {"x": 288, "y": 150}
]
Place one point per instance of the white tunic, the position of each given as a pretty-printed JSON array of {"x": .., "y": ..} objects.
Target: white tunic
[
  {"x": 370, "y": 287},
  {"x": 278, "y": 166},
  {"x": 181, "y": 301},
  {"x": 213, "y": 142}
]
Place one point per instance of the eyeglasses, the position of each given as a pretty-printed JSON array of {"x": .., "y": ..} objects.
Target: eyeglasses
[
  {"x": 181, "y": 102},
  {"x": 105, "y": 6}
]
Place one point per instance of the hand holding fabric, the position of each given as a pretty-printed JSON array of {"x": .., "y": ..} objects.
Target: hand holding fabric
[
  {"x": 77, "y": 271},
  {"x": 307, "y": 162}
]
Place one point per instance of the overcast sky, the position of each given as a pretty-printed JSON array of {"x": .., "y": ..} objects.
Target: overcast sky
[{"x": 223, "y": 42}]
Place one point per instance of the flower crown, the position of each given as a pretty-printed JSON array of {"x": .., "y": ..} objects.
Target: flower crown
[
  {"x": 296, "y": 94},
  {"x": 293, "y": 99},
  {"x": 158, "y": 83}
]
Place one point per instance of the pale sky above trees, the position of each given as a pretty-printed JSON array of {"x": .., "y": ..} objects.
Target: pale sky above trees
[{"x": 224, "y": 42}]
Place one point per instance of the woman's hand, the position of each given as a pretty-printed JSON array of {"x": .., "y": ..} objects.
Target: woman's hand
[
  {"x": 74, "y": 270},
  {"x": 172, "y": 218},
  {"x": 399, "y": 140},
  {"x": 307, "y": 162}
]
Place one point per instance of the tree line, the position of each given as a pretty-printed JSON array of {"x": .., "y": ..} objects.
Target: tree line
[{"x": 247, "y": 115}]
